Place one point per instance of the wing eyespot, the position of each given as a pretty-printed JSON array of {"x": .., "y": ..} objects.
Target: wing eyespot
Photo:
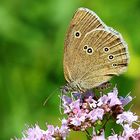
[
  {"x": 89, "y": 50},
  {"x": 110, "y": 57},
  {"x": 77, "y": 34},
  {"x": 85, "y": 47},
  {"x": 114, "y": 65},
  {"x": 106, "y": 49}
]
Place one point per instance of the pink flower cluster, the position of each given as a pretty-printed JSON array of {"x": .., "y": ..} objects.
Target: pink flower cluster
[
  {"x": 125, "y": 120},
  {"x": 128, "y": 134},
  {"x": 86, "y": 110},
  {"x": 52, "y": 133}
]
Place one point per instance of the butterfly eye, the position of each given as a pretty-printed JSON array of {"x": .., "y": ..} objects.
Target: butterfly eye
[
  {"x": 90, "y": 50},
  {"x": 77, "y": 34},
  {"x": 110, "y": 57},
  {"x": 106, "y": 49}
]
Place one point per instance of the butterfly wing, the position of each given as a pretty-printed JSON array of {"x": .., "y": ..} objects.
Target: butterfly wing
[
  {"x": 82, "y": 22},
  {"x": 96, "y": 54},
  {"x": 109, "y": 57}
]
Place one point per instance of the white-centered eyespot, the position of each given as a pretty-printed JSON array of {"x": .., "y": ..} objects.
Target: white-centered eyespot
[
  {"x": 77, "y": 34},
  {"x": 89, "y": 50},
  {"x": 110, "y": 57},
  {"x": 106, "y": 49}
]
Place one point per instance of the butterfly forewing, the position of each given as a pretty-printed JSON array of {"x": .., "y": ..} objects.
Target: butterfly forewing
[{"x": 83, "y": 21}]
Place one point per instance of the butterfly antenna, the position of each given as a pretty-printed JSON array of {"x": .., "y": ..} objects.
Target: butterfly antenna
[{"x": 50, "y": 95}]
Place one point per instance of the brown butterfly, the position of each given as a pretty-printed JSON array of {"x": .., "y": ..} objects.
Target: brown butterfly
[{"x": 93, "y": 52}]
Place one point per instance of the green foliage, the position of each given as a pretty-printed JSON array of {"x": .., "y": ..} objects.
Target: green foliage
[{"x": 31, "y": 55}]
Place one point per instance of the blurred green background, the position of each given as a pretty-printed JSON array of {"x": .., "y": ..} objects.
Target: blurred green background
[{"x": 31, "y": 53}]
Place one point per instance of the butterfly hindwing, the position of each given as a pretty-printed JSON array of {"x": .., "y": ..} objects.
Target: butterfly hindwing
[{"x": 109, "y": 57}]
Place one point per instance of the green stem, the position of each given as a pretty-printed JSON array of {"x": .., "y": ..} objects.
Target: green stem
[
  {"x": 104, "y": 125},
  {"x": 88, "y": 134}
]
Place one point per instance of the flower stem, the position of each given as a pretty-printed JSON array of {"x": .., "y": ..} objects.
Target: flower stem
[
  {"x": 88, "y": 134},
  {"x": 104, "y": 125}
]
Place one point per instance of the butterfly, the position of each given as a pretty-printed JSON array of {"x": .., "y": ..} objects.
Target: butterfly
[{"x": 93, "y": 52}]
